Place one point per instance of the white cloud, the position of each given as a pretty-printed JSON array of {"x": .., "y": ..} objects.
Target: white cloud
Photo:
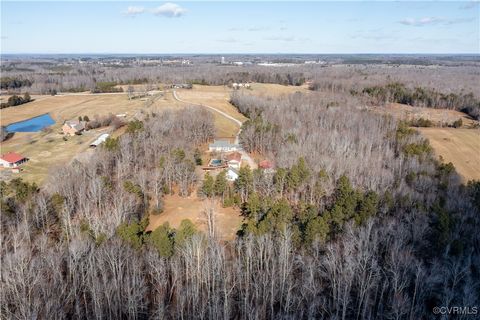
[
  {"x": 170, "y": 10},
  {"x": 255, "y": 29},
  {"x": 285, "y": 38},
  {"x": 228, "y": 40},
  {"x": 132, "y": 11},
  {"x": 433, "y": 21}
]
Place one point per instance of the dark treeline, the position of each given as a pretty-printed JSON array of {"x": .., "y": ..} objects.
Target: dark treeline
[
  {"x": 8, "y": 83},
  {"x": 16, "y": 101}
]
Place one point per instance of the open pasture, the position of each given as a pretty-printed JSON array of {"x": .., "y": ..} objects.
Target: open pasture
[{"x": 458, "y": 146}]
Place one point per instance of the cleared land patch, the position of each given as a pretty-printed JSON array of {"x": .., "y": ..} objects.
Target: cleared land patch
[
  {"x": 458, "y": 146},
  {"x": 176, "y": 209},
  {"x": 437, "y": 116}
]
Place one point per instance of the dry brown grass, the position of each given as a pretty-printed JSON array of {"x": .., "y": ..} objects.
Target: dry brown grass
[
  {"x": 217, "y": 97},
  {"x": 67, "y": 107},
  {"x": 437, "y": 116},
  {"x": 176, "y": 209},
  {"x": 47, "y": 150},
  {"x": 458, "y": 146},
  {"x": 270, "y": 89}
]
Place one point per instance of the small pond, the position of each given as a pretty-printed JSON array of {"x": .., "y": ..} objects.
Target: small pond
[{"x": 31, "y": 125}]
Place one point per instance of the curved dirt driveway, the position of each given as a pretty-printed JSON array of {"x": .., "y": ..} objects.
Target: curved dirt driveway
[{"x": 245, "y": 155}]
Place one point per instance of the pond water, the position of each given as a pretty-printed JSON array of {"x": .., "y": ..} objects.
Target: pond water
[{"x": 31, "y": 125}]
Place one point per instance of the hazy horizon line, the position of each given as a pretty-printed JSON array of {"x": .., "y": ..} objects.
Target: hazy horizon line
[{"x": 241, "y": 53}]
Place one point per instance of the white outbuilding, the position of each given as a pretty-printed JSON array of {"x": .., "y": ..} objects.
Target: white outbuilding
[{"x": 99, "y": 140}]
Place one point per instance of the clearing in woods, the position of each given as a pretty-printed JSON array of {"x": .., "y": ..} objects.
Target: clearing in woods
[
  {"x": 176, "y": 209},
  {"x": 437, "y": 116},
  {"x": 458, "y": 146}
]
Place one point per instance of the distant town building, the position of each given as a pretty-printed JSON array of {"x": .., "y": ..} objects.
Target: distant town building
[
  {"x": 223, "y": 60},
  {"x": 237, "y": 86},
  {"x": 101, "y": 139},
  {"x": 223, "y": 146},
  {"x": 182, "y": 86},
  {"x": 12, "y": 160},
  {"x": 73, "y": 127},
  {"x": 232, "y": 174}
]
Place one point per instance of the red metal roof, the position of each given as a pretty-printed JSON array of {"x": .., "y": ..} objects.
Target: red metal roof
[
  {"x": 12, "y": 157},
  {"x": 265, "y": 164}
]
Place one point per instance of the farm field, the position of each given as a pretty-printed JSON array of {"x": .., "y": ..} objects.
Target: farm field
[
  {"x": 48, "y": 149},
  {"x": 176, "y": 209},
  {"x": 437, "y": 116},
  {"x": 68, "y": 107},
  {"x": 458, "y": 146}
]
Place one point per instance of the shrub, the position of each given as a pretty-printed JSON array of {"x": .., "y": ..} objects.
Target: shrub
[{"x": 458, "y": 123}]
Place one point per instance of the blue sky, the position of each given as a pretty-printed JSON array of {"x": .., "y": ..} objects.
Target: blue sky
[{"x": 239, "y": 27}]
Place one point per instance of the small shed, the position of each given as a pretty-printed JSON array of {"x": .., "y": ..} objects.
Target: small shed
[{"x": 101, "y": 139}]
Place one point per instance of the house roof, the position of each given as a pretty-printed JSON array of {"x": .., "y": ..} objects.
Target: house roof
[
  {"x": 233, "y": 170},
  {"x": 75, "y": 124},
  {"x": 12, "y": 157},
  {"x": 237, "y": 156},
  {"x": 266, "y": 164},
  {"x": 220, "y": 143}
]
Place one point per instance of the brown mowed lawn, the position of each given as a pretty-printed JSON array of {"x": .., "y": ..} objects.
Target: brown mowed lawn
[
  {"x": 48, "y": 150},
  {"x": 178, "y": 208},
  {"x": 458, "y": 146},
  {"x": 67, "y": 107}
]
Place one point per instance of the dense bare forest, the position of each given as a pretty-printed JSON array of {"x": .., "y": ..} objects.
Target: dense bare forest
[{"x": 358, "y": 221}]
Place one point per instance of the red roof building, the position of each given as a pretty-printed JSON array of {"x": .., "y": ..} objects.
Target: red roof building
[
  {"x": 265, "y": 164},
  {"x": 12, "y": 159}
]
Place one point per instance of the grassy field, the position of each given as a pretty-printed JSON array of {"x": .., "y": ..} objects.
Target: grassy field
[
  {"x": 437, "y": 116},
  {"x": 458, "y": 146},
  {"x": 176, "y": 209},
  {"x": 68, "y": 107},
  {"x": 217, "y": 97},
  {"x": 270, "y": 89},
  {"x": 48, "y": 150}
]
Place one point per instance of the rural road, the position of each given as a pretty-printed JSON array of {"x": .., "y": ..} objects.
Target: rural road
[{"x": 245, "y": 155}]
